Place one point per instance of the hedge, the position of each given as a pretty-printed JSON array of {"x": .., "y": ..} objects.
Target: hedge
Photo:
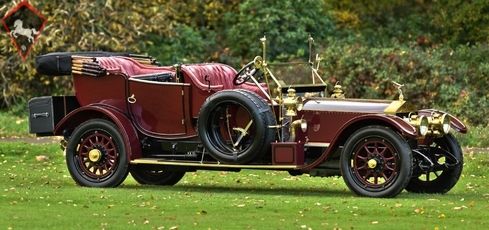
[{"x": 450, "y": 79}]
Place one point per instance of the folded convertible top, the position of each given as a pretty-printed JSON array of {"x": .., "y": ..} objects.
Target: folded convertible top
[{"x": 59, "y": 63}]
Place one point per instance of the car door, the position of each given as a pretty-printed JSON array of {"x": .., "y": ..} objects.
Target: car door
[{"x": 157, "y": 108}]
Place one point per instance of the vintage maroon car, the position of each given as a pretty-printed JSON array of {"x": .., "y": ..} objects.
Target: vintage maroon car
[{"x": 129, "y": 115}]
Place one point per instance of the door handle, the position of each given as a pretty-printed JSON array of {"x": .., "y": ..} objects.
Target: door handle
[{"x": 131, "y": 99}]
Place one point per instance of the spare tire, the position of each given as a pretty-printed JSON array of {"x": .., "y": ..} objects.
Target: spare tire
[{"x": 234, "y": 126}]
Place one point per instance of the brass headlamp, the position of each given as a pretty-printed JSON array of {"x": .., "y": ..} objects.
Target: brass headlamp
[
  {"x": 440, "y": 124},
  {"x": 421, "y": 123},
  {"x": 292, "y": 103},
  {"x": 437, "y": 124}
]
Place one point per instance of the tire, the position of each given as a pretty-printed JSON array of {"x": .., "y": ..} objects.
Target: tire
[
  {"x": 376, "y": 162},
  {"x": 155, "y": 177},
  {"x": 264, "y": 104},
  {"x": 96, "y": 155},
  {"x": 262, "y": 101},
  {"x": 444, "y": 179},
  {"x": 218, "y": 135}
]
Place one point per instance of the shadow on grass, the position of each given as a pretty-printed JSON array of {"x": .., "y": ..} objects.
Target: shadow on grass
[
  {"x": 340, "y": 192},
  {"x": 275, "y": 190}
]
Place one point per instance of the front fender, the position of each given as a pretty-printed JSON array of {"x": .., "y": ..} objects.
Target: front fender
[
  {"x": 80, "y": 115},
  {"x": 404, "y": 127},
  {"x": 397, "y": 123},
  {"x": 455, "y": 123}
]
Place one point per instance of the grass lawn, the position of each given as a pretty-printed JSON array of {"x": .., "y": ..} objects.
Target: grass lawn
[{"x": 42, "y": 195}]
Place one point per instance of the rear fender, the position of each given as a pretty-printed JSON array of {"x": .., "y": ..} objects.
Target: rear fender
[
  {"x": 80, "y": 115},
  {"x": 396, "y": 123}
]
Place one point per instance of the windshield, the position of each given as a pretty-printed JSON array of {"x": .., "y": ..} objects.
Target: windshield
[{"x": 300, "y": 72}]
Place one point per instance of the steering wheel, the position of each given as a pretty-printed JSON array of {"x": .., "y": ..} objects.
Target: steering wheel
[{"x": 248, "y": 71}]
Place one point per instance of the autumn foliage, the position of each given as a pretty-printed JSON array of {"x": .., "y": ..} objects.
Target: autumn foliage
[{"x": 437, "y": 49}]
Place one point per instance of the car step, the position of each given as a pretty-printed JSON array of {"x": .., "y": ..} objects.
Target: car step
[{"x": 208, "y": 164}]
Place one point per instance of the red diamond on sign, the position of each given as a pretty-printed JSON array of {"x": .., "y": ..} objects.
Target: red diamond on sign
[{"x": 24, "y": 24}]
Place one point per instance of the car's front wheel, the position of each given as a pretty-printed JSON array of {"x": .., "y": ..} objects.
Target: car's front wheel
[
  {"x": 376, "y": 162},
  {"x": 96, "y": 155},
  {"x": 448, "y": 163}
]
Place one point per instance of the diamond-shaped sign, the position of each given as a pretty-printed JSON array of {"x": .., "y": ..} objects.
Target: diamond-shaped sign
[{"x": 24, "y": 24}]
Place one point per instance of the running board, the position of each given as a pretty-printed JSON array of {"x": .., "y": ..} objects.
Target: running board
[
  {"x": 316, "y": 144},
  {"x": 156, "y": 161}
]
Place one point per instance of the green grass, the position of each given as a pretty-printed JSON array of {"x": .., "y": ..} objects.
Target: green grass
[
  {"x": 476, "y": 137},
  {"x": 42, "y": 195},
  {"x": 14, "y": 125}
]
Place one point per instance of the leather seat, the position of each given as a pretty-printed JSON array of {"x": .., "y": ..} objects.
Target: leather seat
[
  {"x": 216, "y": 77},
  {"x": 205, "y": 76},
  {"x": 130, "y": 66}
]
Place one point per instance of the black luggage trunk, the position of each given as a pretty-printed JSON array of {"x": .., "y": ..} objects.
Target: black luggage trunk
[{"x": 46, "y": 112}]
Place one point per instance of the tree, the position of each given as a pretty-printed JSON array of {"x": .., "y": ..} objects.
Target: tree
[
  {"x": 461, "y": 22},
  {"x": 78, "y": 26},
  {"x": 287, "y": 22}
]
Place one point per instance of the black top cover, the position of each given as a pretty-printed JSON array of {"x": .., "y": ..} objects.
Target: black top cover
[{"x": 56, "y": 64}]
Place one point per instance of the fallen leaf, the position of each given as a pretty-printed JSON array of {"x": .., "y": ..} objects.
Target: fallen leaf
[{"x": 42, "y": 158}]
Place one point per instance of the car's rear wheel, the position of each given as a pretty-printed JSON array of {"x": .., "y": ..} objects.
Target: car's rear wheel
[
  {"x": 96, "y": 155},
  {"x": 376, "y": 162},
  {"x": 234, "y": 126},
  {"x": 446, "y": 170},
  {"x": 155, "y": 177}
]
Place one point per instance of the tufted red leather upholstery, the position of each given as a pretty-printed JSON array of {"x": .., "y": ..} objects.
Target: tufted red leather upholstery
[
  {"x": 219, "y": 77},
  {"x": 130, "y": 66}
]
